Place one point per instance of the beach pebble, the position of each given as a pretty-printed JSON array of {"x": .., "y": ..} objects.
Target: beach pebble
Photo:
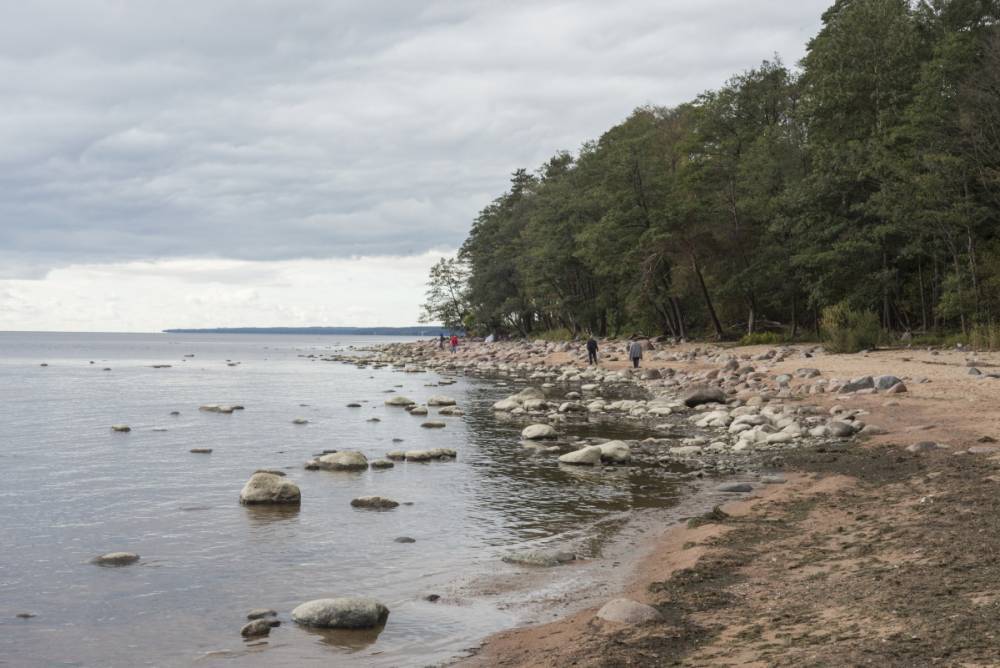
[
  {"x": 116, "y": 559},
  {"x": 268, "y": 488},
  {"x": 627, "y": 611},
  {"x": 341, "y": 613}
]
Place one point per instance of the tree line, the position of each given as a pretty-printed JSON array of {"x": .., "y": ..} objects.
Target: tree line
[{"x": 866, "y": 178}]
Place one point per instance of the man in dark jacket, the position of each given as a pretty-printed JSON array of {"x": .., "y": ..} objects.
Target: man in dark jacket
[{"x": 591, "y": 351}]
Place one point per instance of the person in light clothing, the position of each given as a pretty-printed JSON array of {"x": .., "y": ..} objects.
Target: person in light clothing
[{"x": 635, "y": 353}]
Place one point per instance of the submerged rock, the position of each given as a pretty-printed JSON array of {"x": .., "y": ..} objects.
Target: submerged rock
[
  {"x": 589, "y": 456},
  {"x": 256, "y": 629},
  {"x": 267, "y": 488},
  {"x": 440, "y": 400},
  {"x": 382, "y": 464},
  {"x": 374, "y": 503},
  {"x": 341, "y": 613},
  {"x": 258, "y": 613},
  {"x": 399, "y": 400},
  {"x": 434, "y": 424},
  {"x": 201, "y": 451},
  {"x": 543, "y": 559},
  {"x": 116, "y": 559}
]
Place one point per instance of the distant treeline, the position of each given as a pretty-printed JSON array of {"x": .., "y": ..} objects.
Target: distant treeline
[
  {"x": 867, "y": 178},
  {"x": 340, "y": 331}
]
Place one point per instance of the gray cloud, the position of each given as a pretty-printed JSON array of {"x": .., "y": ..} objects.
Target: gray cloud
[{"x": 316, "y": 128}]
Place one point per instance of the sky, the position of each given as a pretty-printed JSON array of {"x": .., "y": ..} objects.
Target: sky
[{"x": 304, "y": 162}]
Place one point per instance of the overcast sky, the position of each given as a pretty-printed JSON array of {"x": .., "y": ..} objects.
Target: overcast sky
[{"x": 253, "y": 162}]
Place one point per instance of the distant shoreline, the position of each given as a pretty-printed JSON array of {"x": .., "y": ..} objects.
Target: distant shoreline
[{"x": 335, "y": 331}]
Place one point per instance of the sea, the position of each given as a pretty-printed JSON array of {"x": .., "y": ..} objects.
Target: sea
[{"x": 73, "y": 489}]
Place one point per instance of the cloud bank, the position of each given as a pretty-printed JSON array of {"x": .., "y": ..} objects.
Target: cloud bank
[{"x": 275, "y": 131}]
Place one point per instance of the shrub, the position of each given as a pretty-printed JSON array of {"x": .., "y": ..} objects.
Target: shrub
[
  {"x": 561, "y": 334},
  {"x": 762, "y": 339},
  {"x": 985, "y": 337},
  {"x": 846, "y": 330}
]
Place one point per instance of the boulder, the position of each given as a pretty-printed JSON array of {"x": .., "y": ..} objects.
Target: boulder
[
  {"x": 434, "y": 424},
  {"x": 260, "y": 613},
  {"x": 735, "y": 487},
  {"x": 885, "y": 382},
  {"x": 341, "y": 613},
  {"x": 419, "y": 411},
  {"x": 616, "y": 452},
  {"x": 395, "y": 455},
  {"x": 121, "y": 427},
  {"x": 382, "y": 464},
  {"x": 346, "y": 460},
  {"x": 704, "y": 395},
  {"x": 538, "y": 432},
  {"x": 116, "y": 559},
  {"x": 201, "y": 451},
  {"x": 651, "y": 374},
  {"x": 588, "y": 456},
  {"x": 374, "y": 503},
  {"x": 258, "y": 628},
  {"x": 627, "y": 611},
  {"x": 858, "y": 384},
  {"x": 268, "y": 488},
  {"x": 440, "y": 400},
  {"x": 399, "y": 400},
  {"x": 840, "y": 429}
]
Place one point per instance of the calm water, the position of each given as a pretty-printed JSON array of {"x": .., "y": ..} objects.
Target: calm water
[{"x": 72, "y": 489}]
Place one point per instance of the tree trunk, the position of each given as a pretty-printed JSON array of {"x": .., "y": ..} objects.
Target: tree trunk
[{"x": 708, "y": 298}]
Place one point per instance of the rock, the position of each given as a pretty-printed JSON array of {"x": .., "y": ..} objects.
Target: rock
[
  {"x": 396, "y": 455},
  {"x": 354, "y": 404},
  {"x": 346, "y": 460},
  {"x": 863, "y": 383},
  {"x": 201, "y": 451},
  {"x": 116, "y": 559},
  {"x": 374, "y": 503},
  {"x": 268, "y": 488},
  {"x": 975, "y": 372},
  {"x": 896, "y": 389},
  {"x": 544, "y": 559},
  {"x": 772, "y": 480},
  {"x": 256, "y": 629},
  {"x": 341, "y": 613},
  {"x": 382, "y": 464},
  {"x": 840, "y": 429},
  {"x": 121, "y": 427},
  {"x": 217, "y": 408},
  {"x": 404, "y": 539},
  {"x": 885, "y": 382},
  {"x": 925, "y": 446},
  {"x": 434, "y": 424},
  {"x": 175, "y": 413},
  {"x": 704, "y": 395},
  {"x": 588, "y": 456},
  {"x": 418, "y": 456},
  {"x": 25, "y": 615},
  {"x": 418, "y": 411},
  {"x": 300, "y": 421},
  {"x": 440, "y": 400},
  {"x": 259, "y": 613},
  {"x": 399, "y": 400},
  {"x": 735, "y": 487},
  {"x": 651, "y": 374},
  {"x": 616, "y": 452},
  {"x": 537, "y": 432},
  {"x": 627, "y": 611}
]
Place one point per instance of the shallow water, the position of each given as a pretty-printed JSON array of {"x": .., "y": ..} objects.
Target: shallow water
[{"x": 72, "y": 489}]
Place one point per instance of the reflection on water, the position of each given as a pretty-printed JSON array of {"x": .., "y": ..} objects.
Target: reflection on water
[
  {"x": 73, "y": 489},
  {"x": 343, "y": 639}
]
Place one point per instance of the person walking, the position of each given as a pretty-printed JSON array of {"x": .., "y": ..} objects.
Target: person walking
[
  {"x": 441, "y": 341},
  {"x": 635, "y": 353},
  {"x": 454, "y": 342},
  {"x": 591, "y": 351}
]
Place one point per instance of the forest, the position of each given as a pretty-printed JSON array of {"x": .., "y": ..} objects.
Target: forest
[{"x": 862, "y": 183}]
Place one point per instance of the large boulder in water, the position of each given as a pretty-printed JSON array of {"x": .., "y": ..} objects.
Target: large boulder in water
[
  {"x": 616, "y": 452},
  {"x": 537, "y": 432},
  {"x": 345, "y": 460},
  {"x": 341, "y": 613},
  {"x": 704, "y": 395},
  {"x": 268, "y": 488},
  {"x": 588, "y": 456},
  {"x": 441, "y": 400},
  {"x": 399, "y": 401},
  {"x": 116, "y": 559}
]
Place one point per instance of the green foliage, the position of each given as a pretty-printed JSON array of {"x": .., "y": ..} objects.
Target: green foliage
[
  {"x": 762, "y": 339},
  {"x": 447, "y": 299},
  {"x": 870, "y": 177},
  {"x": 846, "y": 330},
  {"x": 985, "y": 336},
  {"x": 561, "y": 334}
]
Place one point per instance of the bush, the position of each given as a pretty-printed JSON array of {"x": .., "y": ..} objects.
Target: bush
[
  {"x": 762, "y": 339},
  {"x": 846, "y": 330},
  {"x": 985, "y": 337},
  {"x": 558, "y": 335}
]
